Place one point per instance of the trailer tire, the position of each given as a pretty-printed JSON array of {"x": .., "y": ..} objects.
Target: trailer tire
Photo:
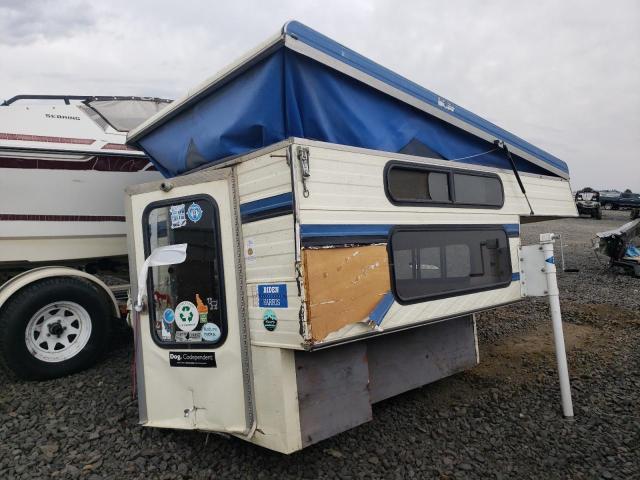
[{"x": 75, "y": 316}]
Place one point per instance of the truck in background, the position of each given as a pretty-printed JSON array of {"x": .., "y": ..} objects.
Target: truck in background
[
  {"x": 64, "y": 274},
  {"x": 614, "y": 200},
  {"x": 588, "y": 203}
]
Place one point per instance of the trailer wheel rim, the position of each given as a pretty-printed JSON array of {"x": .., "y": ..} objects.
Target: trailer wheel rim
[
  {"x": 607, "y": 206},
  {"x": 58, "y": 332}
]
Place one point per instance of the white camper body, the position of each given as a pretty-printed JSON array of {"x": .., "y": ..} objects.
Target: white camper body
[{"x": 315, "y": 285}]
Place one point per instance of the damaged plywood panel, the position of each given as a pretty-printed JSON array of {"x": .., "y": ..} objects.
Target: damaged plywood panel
[{"x": 343, "y": 285}]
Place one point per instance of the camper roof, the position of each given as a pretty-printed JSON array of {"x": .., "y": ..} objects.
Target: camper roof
[{"x": 303, "y": 84}]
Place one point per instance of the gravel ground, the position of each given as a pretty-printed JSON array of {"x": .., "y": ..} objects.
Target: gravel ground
[{"x": 500, "y": 420}]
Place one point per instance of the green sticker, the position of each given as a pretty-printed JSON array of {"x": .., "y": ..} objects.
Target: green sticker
[{"x": 269, "y": 320}]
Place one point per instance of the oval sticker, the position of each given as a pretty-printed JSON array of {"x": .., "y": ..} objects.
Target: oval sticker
[
  {"x": 186, "y": 316},
  {"x": 210, "y": 332}
]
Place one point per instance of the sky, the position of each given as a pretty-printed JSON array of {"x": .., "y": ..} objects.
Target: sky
[{"x": 563, "y": 75}]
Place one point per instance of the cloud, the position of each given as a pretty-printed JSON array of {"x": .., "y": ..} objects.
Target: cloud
[
  {"x": 23, "y": 22},
  {"x": 562, "y": 75}
]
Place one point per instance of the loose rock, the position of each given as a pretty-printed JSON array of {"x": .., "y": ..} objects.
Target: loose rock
[{"x": 501, "y": 419}]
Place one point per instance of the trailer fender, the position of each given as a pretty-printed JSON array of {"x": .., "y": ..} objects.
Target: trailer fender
[{"x": 22, "y": 280}]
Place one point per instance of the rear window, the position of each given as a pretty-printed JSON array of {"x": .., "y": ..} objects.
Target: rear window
[
  {"x": 417, "y": 185},
  {"x": 186, "y": 301},
  {"x": 432, "y": 262}
]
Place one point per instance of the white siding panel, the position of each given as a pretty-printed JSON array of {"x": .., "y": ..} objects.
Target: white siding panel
[
  {"x": 273, "y": 243},
  {"x": 407, "y": 315},
  {"x": 287, "y": 332},
  {"x": 347, "y": 188},
  {"x": 348, "y": 181},
  {"x": 264, "y": 176},
  {"x": 432, "y": 217}
]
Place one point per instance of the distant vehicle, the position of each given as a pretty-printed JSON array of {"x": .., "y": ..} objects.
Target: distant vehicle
[
  {"x": 613, "y": 200},
  {"x": 588, "y": 203},
  {"x": 64, "y": 166},
  {"x": 609, "y": 193}
]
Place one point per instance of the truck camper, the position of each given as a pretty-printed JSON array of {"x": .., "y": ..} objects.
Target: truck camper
[{"x": 325, "y": 234}]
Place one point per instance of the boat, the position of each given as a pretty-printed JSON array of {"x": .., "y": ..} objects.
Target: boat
[{"x": 63, "y": 169}]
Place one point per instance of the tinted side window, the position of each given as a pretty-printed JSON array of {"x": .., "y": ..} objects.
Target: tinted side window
[
  {"x": 429, "y": 263},
  {"x": 418, "y": 185},
  {"x": 478, "y": 189},
  {"x": 408, "y": 184}
]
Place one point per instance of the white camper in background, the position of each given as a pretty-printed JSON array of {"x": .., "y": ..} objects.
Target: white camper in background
[
  {"x": 63, "y": 267},
  {"x": 308, "y": 279}
]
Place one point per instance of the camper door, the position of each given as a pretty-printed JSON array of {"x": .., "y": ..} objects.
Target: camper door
[{"x": 191, "y": 338}]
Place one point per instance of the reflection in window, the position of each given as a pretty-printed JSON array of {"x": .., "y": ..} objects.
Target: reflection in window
[
  {"x": 417, "y": 185},
  {"x": 477, "y": 189}
]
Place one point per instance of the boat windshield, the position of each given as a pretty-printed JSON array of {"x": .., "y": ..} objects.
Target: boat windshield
[{"x": 126, "y": 114}]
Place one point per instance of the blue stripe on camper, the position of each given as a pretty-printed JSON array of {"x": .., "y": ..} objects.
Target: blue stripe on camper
[
  {"x": 515, "y": 277},
  {"x": 376, "y": 232},
  {"x": 318, "y": 230},
  {"x": 267, "y": 207},
  {"x": 318, "y": 234},
  {"x": 512, "y": 229},
  {"x": 380, "y": 310}
]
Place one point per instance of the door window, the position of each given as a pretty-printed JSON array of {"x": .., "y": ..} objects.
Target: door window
[{"x": 186, "y": 301}]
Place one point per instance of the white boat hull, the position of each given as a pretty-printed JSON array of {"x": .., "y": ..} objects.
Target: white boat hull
[{"x": 48, "y": 214}]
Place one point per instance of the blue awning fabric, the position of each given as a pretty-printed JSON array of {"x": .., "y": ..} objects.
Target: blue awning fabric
[{"x": 288, "y": 94}]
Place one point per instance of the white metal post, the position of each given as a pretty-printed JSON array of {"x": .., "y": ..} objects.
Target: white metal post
[{"x": 546, "y": 241}]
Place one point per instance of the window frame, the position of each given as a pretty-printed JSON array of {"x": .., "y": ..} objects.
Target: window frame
[
  {"x": 149, "y": 286},
  {"x": 450, "y": 172},
  {"x": 445, "y": 228}
]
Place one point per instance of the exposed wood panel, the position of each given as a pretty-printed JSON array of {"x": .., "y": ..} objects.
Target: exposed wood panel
[
  {"x": 333, "y": 392},
  {"x": 410, "y": 359},
  {"x": 343, "y": 285}
]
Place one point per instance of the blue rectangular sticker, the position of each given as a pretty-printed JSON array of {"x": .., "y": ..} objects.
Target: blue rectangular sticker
[{"x": 273, "y": 296}]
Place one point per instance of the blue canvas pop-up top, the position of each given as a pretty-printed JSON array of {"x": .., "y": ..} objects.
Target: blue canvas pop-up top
[{"x": 303, "y": 84}]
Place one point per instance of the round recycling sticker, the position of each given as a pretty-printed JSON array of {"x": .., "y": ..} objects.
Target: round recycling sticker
[
  {"x": 186, "y": 316},
  {"x": 168, "y": 316},
  {"x": 210, "y": 332}
]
